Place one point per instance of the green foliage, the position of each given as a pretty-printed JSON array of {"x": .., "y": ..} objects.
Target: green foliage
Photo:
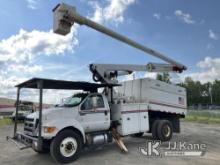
[
  {"x": 216, "y": 92},
  {"x": 203, "y": 116},
  {"x": 164, "y": 77},
  {"x": 5, "y": 121},
  {"x": 198, "y": 93}
]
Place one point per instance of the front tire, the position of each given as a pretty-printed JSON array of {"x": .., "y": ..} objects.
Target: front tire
[{"x": 66, "y": 146}]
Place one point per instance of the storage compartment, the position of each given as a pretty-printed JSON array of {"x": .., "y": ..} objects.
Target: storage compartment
[
  {"x": 143, "y": 118},
  {"x": 159, "y": 95},
  {"x": 132, "y": 118}
]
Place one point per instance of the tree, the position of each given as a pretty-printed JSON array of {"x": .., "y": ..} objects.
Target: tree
[
  {"x": 216, "y": 92},
  {"x": 159, "y": 77},
  {"x": 198, "y": 93},
  {"x": 163, "y": 77}
]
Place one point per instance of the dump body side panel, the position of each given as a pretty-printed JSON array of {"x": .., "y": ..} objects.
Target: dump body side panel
[{"x": 159, "y": 96}]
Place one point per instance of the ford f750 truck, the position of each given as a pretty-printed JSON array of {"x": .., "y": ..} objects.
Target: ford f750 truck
[
  {"x": 105, "y": 110},
  {"x": 92, "y": 118}
]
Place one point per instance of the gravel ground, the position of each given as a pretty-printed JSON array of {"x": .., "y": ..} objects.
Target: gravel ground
[{"x": 110, "y": 154}]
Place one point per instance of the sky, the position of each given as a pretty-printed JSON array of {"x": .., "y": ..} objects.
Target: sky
[{"x": 186, "y": 31}]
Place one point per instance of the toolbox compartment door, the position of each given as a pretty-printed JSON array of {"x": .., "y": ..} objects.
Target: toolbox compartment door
[
  {"x": 130, "y": 119},
  {"x": 143, "y": 118}
]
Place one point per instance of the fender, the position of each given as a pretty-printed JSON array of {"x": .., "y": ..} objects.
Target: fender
[{"x": 68, "y": 122}]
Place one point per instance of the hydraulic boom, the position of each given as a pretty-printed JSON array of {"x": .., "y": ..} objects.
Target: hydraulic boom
[
  {"x": 108, "y": 73},
  {"x": 65, "y": 16}
]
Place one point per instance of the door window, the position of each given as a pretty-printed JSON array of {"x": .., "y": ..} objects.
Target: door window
[{"x": 92, "y": 102}]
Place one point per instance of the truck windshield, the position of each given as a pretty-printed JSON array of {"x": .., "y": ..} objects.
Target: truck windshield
[
  {"x": 75, "y": 100},
  {"x": 25, "y": 108}
]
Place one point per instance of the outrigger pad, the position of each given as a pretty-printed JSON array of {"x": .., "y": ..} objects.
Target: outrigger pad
[{"x": 119, "y": 141}]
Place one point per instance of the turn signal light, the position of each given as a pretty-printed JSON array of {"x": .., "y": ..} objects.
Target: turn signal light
[{"x": 49, "y": 129}]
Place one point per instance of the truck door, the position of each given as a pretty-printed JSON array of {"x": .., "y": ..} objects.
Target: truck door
[{"x": 94, "y": 113}]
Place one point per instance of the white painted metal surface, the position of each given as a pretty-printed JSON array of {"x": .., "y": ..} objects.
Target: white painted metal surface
[
  {"x": 132, "y": 117},
  {"x": 159, "y": 96},
  {"x": 85, "y": 121},
  {"x": 95, "y": 119}
]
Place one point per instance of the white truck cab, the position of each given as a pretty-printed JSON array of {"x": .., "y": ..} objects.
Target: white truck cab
[{"x": 86, "y": 112}]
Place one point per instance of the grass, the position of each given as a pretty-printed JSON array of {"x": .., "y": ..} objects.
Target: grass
[
  {"x": 204, "y": 116},
  {"x": 5, "y": 121}
]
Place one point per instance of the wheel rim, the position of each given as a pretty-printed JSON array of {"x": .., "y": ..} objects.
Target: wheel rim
[
  {"x": 167, "y": 130},
  {"x": 68, "y": 147}
]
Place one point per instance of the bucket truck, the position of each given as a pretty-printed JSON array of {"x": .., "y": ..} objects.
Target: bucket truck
[{"x": 91, "y": 117}]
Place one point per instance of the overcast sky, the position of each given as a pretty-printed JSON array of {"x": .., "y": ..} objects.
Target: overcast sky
[{"x": 187, "y": 31}]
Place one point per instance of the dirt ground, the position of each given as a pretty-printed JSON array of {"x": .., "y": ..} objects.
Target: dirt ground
[{"x": 110, "y": 154}]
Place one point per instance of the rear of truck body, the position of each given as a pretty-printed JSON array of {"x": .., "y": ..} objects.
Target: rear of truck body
[{"x": 142, "y": 101}]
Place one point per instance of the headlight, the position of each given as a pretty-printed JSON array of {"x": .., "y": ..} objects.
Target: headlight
[{"x": 49, "y": 129}]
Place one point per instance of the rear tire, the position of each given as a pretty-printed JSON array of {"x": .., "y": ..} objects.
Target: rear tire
[
  {"x": 154, "y": 129},
  {"x": 164, "y": 130},
  {"x": 66, "y": 146}
]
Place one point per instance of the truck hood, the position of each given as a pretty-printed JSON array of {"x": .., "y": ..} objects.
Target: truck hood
[{"x": 55, "y": 112}]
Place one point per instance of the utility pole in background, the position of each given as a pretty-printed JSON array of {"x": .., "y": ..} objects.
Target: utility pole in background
[{"x": 210, "y": 93}]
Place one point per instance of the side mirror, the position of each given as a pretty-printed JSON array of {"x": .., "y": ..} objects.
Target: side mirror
[{"x": 61, "y": 22}]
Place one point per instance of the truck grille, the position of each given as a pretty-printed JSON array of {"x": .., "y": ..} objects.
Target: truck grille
[{"x": 29, "y": 126}]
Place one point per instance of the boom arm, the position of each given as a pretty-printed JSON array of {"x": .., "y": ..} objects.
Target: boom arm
[
  {"x": 108, "y": 73},
  {"x": 65, "y": 16}
]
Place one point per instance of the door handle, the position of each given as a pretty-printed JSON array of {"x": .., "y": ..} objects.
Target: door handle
[
  {"x": 106, "y": 113},
  {"x": 82, "y": 114}
]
